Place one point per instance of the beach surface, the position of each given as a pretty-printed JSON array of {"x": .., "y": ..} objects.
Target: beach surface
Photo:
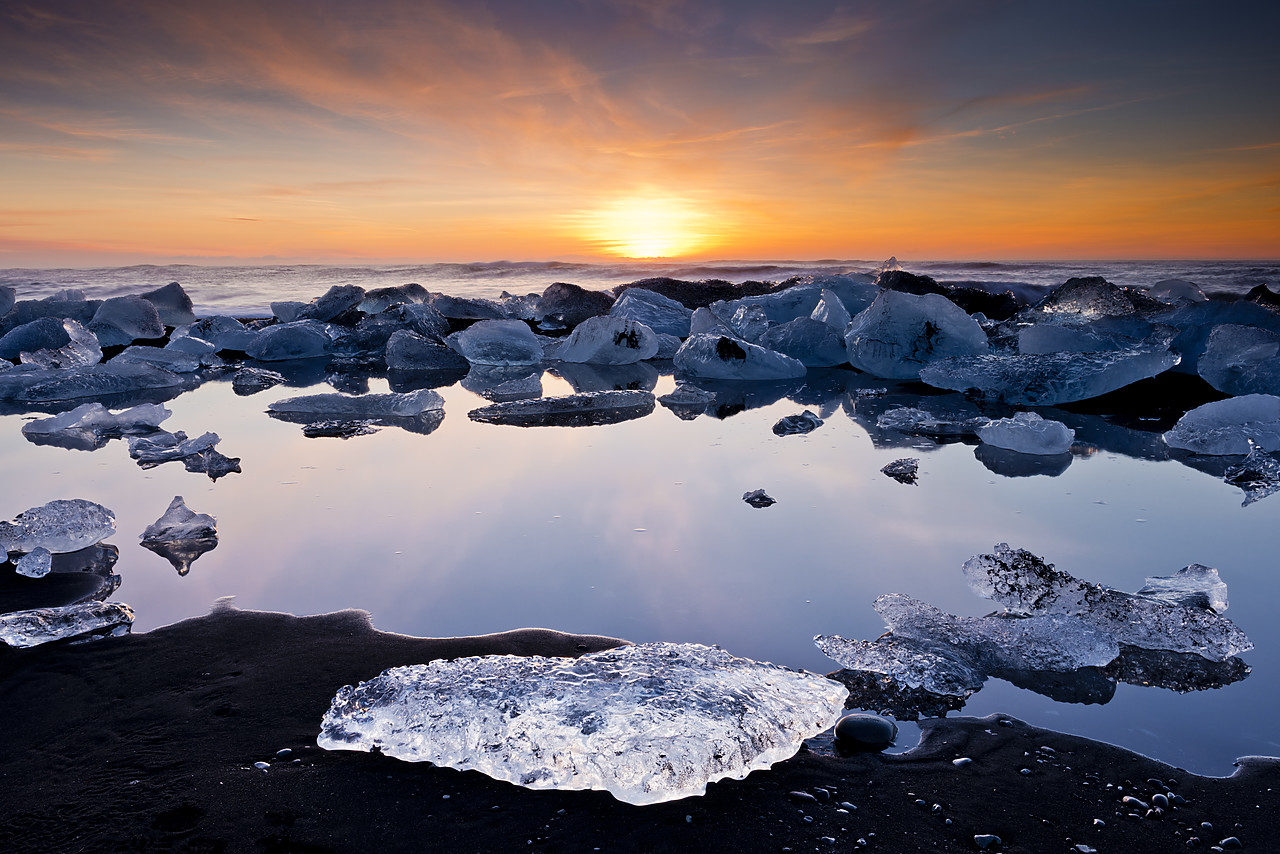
[{"x": 148, "y": 743}]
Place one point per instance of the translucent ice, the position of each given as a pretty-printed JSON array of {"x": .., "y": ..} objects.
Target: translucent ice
[
  {"x": 1195, "y": 586},
  {"x": 1258, "y": 475},
  {"x": 1024, "y": 583},
  {"x": 908, "y": 663},
  {"x": 95, "y": 420},
  {"x": 1241, "y": 360},
  {"x": 1225, "y": 427},
  {"x": 649, "y": 723},
  {"x": 725, "y": 358},
  {"x": 831, "y": 311},
  {"x": 687, "y": 401},
  {"x": 85, "y": 621},
  {"x": 337, "y": 301},
  {"x": 1028, "y": 433},
  {"x": 900, "y": 333},
  {"x": 331, "y": 406},
  {"x": 82, "y": 348},
  {"x": 35, "y": 564},
  {"x": 659, "y": 313},
  {"x": 380, "y": 299},
  {"x": 409, "y": 351},
  {"x": 59, "y": 526},
  {"x": 609, "y": 340},
  {"x": 249, "y": 380},
  {"x": 98, "y": 381},
  {"x": 813, "y": 343},
  {"x": 920, "y": 422},
  {"x": 1046, "y": 379},
  {"x": 1176, "y": 291},
  {"x": 123, "y": 320},
  {"x": 571, "y": 304},
  {"x": 174, "y": 360},
  {"x": 498, "y": 342},
  {"x": 225, "y": 333},
  {"x": 45, "y": 333},
  {"x": 463, "y": 308},
  {"x": 172, "y": 304},
  {"x": 165, "y": 447},
  {"x": 905, "y": 470},
  {"x": 180, "y": 535},
  {"x": 571, "y": 410},
  {"x": 790, "y": 425},
  {"x": 301, "y": 339},
  {"x": 1088, "y": 298}
]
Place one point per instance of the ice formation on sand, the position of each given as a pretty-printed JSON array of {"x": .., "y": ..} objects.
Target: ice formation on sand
[
  {"x": 1046, "y": 379},
  {"x": 1028, "y": 433},
  {"x": 570, "y": 410},
  {"x": 85, "y": 621},
  {"x": 1228, "y": 427},
  {"x": 59, "y": 526},
  {"x": 1024, "y": 583},
  {"x": 648, "y": 723}
]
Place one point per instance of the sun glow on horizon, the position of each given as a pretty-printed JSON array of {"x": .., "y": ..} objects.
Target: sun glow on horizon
[{"x": 645, "y": 227}]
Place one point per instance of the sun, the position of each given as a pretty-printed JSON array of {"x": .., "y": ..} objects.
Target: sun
[{"x": 646, "y": 227}]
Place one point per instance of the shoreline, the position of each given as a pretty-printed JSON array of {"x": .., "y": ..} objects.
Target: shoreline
[{"x": 148, "y": 742}]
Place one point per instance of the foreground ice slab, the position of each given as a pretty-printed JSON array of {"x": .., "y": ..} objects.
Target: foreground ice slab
[
  {"x": 609, "y": 340},
  {"x": 498, "y": 342},
  {"x": 82, "y": 348},
  {"x": 723, "y": 358},
  {"x": 570, "y": 410},
  {"x": 1046, "y": 379},
  {"x": 1225, "y": 427},
  {"x": 1023, "y": 582},
  {"x": 93, "y": 420},
  {"x": 900, "y": 333},
  {"x": 59, "y": 526},
  {"x": 335, "y": 406},
  {"x": 97, "y": 381},
  {"x": 1028, "y": 433},
  {"x": 649, "y": 723},
  {"x": 85, "y": 621}
]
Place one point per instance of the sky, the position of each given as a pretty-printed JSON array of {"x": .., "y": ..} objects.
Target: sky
[{"x": 136, "y": 131}]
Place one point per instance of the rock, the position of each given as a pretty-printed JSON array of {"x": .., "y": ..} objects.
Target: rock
[
  {"x": 986, "y": 841},
  {"x": 648, "y": 723},
  {"x": 1028, "y": 433},
  {"x": 805, "y": 422},
  {"x": 1045, "y": 379},
  {"x": 811, "y": 342},
  {"x": 725, "y": 358},
  {"x": 758, "y": 498},
  {"x": 863, "y": 733},
  {"x": 571, "y": 304},
  {"x": 299, "y": 339},
  {"x": 85, "y": 621},
  {"x": 409, "y": 351},
  {"x": 123, "y": 320},
  {"x": 905, "y": 470},
  {"x": 498, "y": 342},
  {"x": 1226, "y": 427},
  {"x": 609, "y": 340},
  {"x": 380, "y": 299},
  {"x": 461, "y": 308},
  {"x": 336, "y": 302},
  {"x": 173, "y": 306},
  {"x": 899, "y": 334},
  {"x": 574, "y": 410},
  {"x": 655, "y": 311},
  {"x": 59, "y": 526},
  {"x": 1087, "y": 298}
]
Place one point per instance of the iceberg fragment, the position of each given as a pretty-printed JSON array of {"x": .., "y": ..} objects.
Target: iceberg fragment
[
  {"x": 59, "y": 526},
  {"x": 334, "y": 406},
  {"x": 299, "y": 339},
  {"x": 90, "y": 422},
  {"x": 1258, "y": 475},
  {"x": 1046, "y": 379},
  {"x": 82, "y": 348},
  {"x": 687, "y": 401},
  {"x": 1241, "y": 360},
  {"x": 409, "y": 351},
  {"x": 123, "y": 320},
  {"x": 1228, "y": 427},
  {"x": 164, "y": 447},
  {"x": 172, "y": 304},
  {"x": 901, "y": 333},
  {"x": 1194, "y": 586},
  {"x": 81, "y": 622},
  {"x": 1028, "y": 433},
  {"x": 249, "y": 380},
  {"x": 180, "y": 535},
  {"x": 813, "y": 343},
  {"x": 908, "y": 663},
  {"x": 35, "y": 564},
  {"x": 919, "y": 422},
  {"x": 647, "y": 723},
  {"x": 43, "y": 333},
  {"x": 498, "y": 342},
  {"x": 572, "y": 410},
  {"x": 659, "y": 313},
  {"x": 905, "y": 470},
  {"x": 609, "y": 340},
  {"x": 97, "y": 381},
  {"x": 724, "y": 358},
  {"x": 1023, "y": 582},
  {"x": 758, "y": 498},
  {"x": 224, "y": 333},
  {"x": 790, "y": 425}
]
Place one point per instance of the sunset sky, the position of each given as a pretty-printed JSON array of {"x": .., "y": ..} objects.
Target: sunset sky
[{"x": 340, "y": 130}]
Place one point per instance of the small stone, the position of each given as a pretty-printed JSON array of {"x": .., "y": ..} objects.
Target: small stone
[
  {"x": 1097, "y": 822},
  {"x": 936, "y": 809},
  {"x": 1005, "y": 722},
  {"x": 284, "y": 753},
  {"x": 802, "y": 797},
  {"x": 985, "y": 841},
  {"x": 1131, "y": 801},
  {"x": 1086, "y": 849},
  {"x": 822, "y": 794},
  {"x": 1025, "y": 772},
  {"x": 962, "y": 761},
  {"x": 1231, "y": 842},
  {"x": 858, "y": 733},
  {"x": 1206, "y": 827},
  {"x": 261, "y": 766},
  {"x": 758, "y": 498},
  {"x": 808, "y": 819},
  {"x": 1160, "y": 800},
  {"x": 850, "y": 807}
]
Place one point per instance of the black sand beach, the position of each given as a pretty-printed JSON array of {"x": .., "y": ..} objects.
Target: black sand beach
[{"x": 148, "y": 743}]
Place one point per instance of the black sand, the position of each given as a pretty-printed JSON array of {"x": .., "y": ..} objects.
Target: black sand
[{"x": 147, "y": 743}]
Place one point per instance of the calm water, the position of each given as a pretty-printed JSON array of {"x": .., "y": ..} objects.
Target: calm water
[{"x": 638, "y": 529}]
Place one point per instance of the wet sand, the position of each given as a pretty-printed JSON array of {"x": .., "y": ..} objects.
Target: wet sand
[{"x": 148, "y": 743}]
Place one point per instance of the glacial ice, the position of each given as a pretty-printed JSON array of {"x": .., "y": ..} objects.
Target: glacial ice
[
  {"x": 36, "y": 563},
  {"x": 84, "y": 621},
  {"x": 900, "y": 333},
  {"x": 1240, "y": 360},
  {"x": 180, "y": 535},
  {"x": 831, "y": 311},
  {"x": 409, "y": 351},
  {"x": 380, "y": 299},
  {"x": 705, "y": 321},
  {"x": 82, "y": 348},
  {"x": 59, "y": 526},
  {"x": 299, "y": 339},
  {"x": 1046, "y": 379},
  {"x": 1225, "y": 427},
  {"x": 571, "y": 304},
  {"x": 1194, "y": 586},
  {"x": 1258, "y": 475},
  {"x": 1176, "y": 291},
  {"x": 920, "y": 422},
  {"x": 123, "y": 320},
  {"x": 687, "y": 401},
  {"x": 573, "y": 410},
  {"x": 172, "y": 304},
  {"x": 609, "y": 340},
  {"x": 1088, "y": 298},
  {"x": 465, "y": 308},
  {"x": 225, "y": 333},
  {"x": 164, "y": 447},
  {"x": 522, "y": 387},
  {"x": 7, "y": 299},
  {"x": 1028, "y": 433},
  {"x": 192, "y": 346},
  {"x": 160, "y": 357},
  {"x": 778, "y": 307},
  {"x": 724, "y": 358},
  {"x": 89, "y": 422},
  {"x": 334, "y": 406},
  {"x": 248, "y": 380},
  {"x": 338, "y": 300},
  {"x": 659, "y": 313},
  {"x": 96, "y": 381},
  {"x": 45, "y": 333},
  {"x": 905, "y": 470},
  {"x": 790, "y": 425},
  {"x": 497, "y": 342},
  {"x": 748, "y": 321},
  {"x": 1026, "y": 584},
  {"x": 813, "y": 343},
  {"x": 908, "y": 663},
  {"x": 648, "y": 723}
]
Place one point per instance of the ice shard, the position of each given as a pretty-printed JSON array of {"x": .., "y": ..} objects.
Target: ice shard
[
  {"x": 92, "y": 421},
  {"x": 1024, "y": 583},
  {"x": 659, "y": 313},
  {"x": 1046, "y": 379},
  {"x": 497, "y": 342},
  {"x": 250, "y": 380},
  {"x": 609, "y": 340},
  {"x": 123, "y": 320},
  {"x": 1258, "y": 475},
  {"x": 790, "y": 425},
  {"x": 900, "y": 333},
  {"x": 166, "y": 447},
  {"x": 59, "y": 526},
  {"x": 1195, "y": 586},
  {"x": 920, "y": 422},
  {"x": 97, "y": 381},
  {"x": 571, "y": 410},
  {"x": 35, "y": 564},
  {"x": 648, "y": 723},
  {"x": 299, "y": 339},
  {"x": 342, "y": 406},
  {"x": 180, "y": 535},
  {"x": 905, "y": 470},
  {"x": 724, "y": 358},
  {"x": 907, "y": 663},
  {"x": 1229, "y": 427},
  {"x": 85, "y": 621},
  {"x": 82, "y": 348},
  {"x": 1028, "y": 433}
]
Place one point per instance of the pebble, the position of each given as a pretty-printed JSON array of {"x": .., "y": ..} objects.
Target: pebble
[
  {"x": 1206, "y": 827},
  {"x": 821, "y": 794},
  {"x": 1159, "y": 800},
  {"x": 261, "y": 766},
  {"x": 1131, "y": 801},
  {"x": 830, "y": 840},
  {"x": 1004, "y": 722},
  {"x": 284, "y": 753},
  {"x": 936, "y": 808},
  {"x": 860, "y": 732},
  {"x": 1025, "y": 771},
  {"x": 1231, "y": 842},
  {"x": 808, "y": 819},
  {"x": 1086, "y": 849},
  {"x": 802, "y": 797},
  {"x": 962, "y": 761},
  {"x": 1097, "y": 822},
  {"x": 850, "y": 807},
  {"x": 986, "y": 840}
]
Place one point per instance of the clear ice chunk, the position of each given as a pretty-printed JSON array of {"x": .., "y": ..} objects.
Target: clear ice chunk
[
  {"x": 919, "y": 422},
  {"x": 1241, "y": 360},
  {"x": 84, "y": 621},
  {"x": 96, "y": 420},
  {"x": 409, "y": 351},
  {"x": 901, "y": 333},
  {"x": 1228, "y": 427},
  {"x": 1024, "y": 583},
  {"x": 174, "y": 359},
  {"x": 180, "y": 535},
  {"x": 172, "y": 304},
  {"x": 758, "y": 498},
  {"x": 300, "y": 339},
  {"x": 165, "y": 447},
  {"x": 123, "y": 320},
  {"x": 59, "y": 526},
  {"x": 343, "y": 406},
  {"x": 831, "y": 311},
  {"x": 909, "y": 663},
  {"x": 498, "y": 342},
  {"x": 790, "y": 425},
  {"x": 813, "y": 343},
  {"x": 1046, "y": 379},
  {"x": 688, "y": 401},
  {"x": 1028, "y": 433},
  {"x": 249, "y": 380},
  {"x": 82, "y": 348},
  {"x": 648, "y": 723},
  {"x": 571, "y": 410},
  {"x": 1089, "y": 298},
  {"x": 43, "y": 333},
  {"x": 35, "y": 564},
  {"x": 1176, "y": 291},
  {"x": 380, "y": 299},
  {"x": 724, "y": 358},
  {"x": 98, "y": 381},
  {"x": 609, "y": 340},
  {"x": 1258, "y": 475},
  {"x": 659, "y": 313},
  {"x": 225, "y": 333},
  {"x": 905, "y": 470},
  {"x": 1194, "y": 586}
]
